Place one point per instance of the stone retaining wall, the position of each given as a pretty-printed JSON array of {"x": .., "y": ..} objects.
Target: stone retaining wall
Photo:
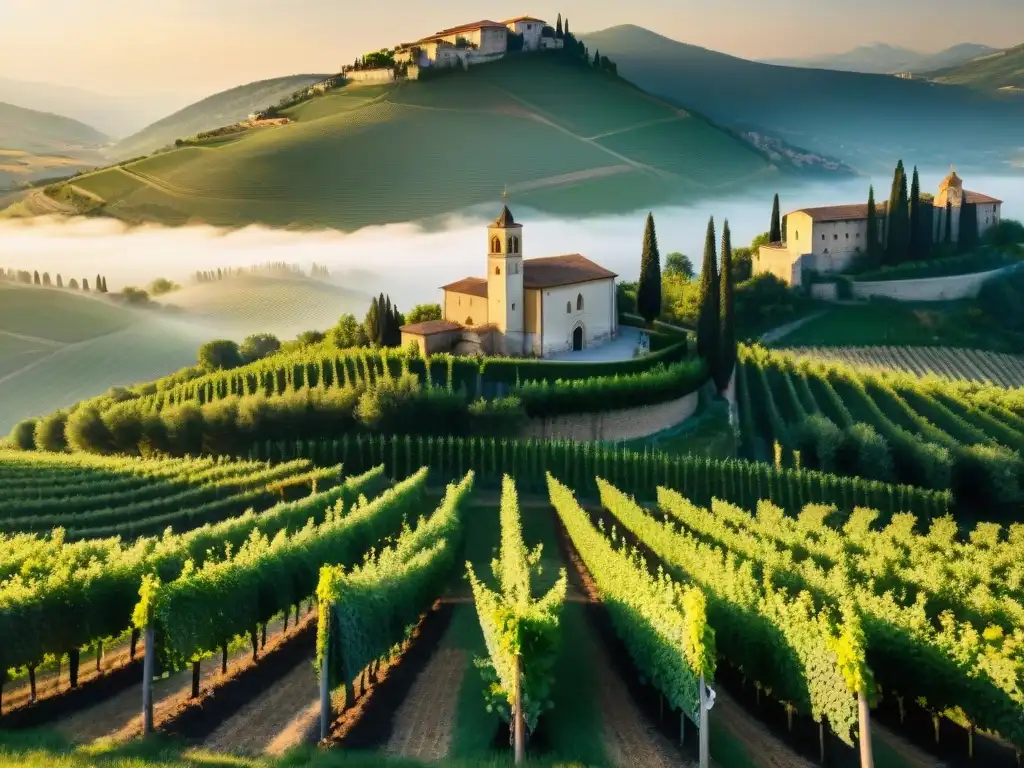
[
  {"x": 624, "y": 424},
  {"x": 929, "y": 288}
]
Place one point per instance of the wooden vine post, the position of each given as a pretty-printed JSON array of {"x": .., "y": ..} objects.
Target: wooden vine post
[
  {"x": 867, "y": 759},
  {"x": 325, "y": 686},
  {"x": 518, "y": 721},
  {"x": 147, "y": 675},
  {"x": 707, "y": 701}
]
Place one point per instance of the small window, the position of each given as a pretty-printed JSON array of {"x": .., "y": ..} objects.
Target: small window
[
  {"x": 797, "y": 235},
  {"x": 858, "y": 235},
  {"x": 835, "y": 237},
  {"x": 568, "y": 307},
  {"x": 579, "y": 302},
  {"x": 513, "y": 306},
  {"x": 497, "y": 270},
  {"x": 823, "y": 237},
  {"x": 847, "y": 235},
  {"x": 495, "y": 244},
  {"x": 469, "y": 321}
]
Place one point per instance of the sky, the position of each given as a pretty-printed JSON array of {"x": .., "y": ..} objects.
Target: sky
[{"x": 191, "y": 48}]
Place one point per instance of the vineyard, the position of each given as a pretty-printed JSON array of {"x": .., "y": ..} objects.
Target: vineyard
[
  {"x": 929, "y": 433},
  {"x": 426, "y": 648},
  {"x": 947, "y": 362}
]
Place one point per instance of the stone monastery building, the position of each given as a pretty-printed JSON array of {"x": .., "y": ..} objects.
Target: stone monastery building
[
  {"x": 827, "y": 239},
  {"x": 523, "y": 307},
  {"x": 476, "y": 43}
]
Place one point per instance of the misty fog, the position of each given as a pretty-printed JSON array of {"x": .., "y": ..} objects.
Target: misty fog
[{"x": 408, "y": 261}]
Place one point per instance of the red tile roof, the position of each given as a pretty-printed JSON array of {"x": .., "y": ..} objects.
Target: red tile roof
[
  {"x": 474, "y": 286},
  {"x": 978, "y": 197},
  {"x": 524, "y": 18},
  {"x": 553, "y": 271},
  {"x": 430, "y": 327},
  {"x": 842, "y": 212},
  {"x": 485, "y": 24}
]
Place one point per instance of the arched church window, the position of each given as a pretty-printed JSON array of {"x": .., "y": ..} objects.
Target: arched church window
[
  {"x": 495, "y": 244},
  {"x": 568, "y": 307},
  {"x": 579, "y": 302},
  {"x": 469, "y": 321},
  {"x": 497, "y": 270},
  {"x": 513, "y": 245}
]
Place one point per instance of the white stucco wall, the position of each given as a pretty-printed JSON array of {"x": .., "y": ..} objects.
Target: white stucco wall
[
  {"x": 370, "y": 75},
  {"x": 597, "y": 316},
  {"x": 930, "y": 288},
  {"x": 988, "y": 216},
  {"x": 530, "y": 30}
]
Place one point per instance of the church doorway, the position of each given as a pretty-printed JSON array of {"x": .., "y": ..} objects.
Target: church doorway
[{"x": 577, "y": 338}]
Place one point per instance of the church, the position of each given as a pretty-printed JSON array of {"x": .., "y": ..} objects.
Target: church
[
  {"x": 523, "y": 307},
  {"x": 827, "y": 239}
]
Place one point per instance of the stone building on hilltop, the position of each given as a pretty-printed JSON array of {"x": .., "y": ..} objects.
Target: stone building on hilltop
[
  {"x": 827, "y": 239},
  {"x": 523, "y": 307},
  {"x": 476, "y": 43}
]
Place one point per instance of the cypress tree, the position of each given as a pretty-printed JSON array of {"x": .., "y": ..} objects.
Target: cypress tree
[
  {"x": 898, "y": 229},
  {"x": 35, "y": 278},
  {"x": 948, "y": 223},
  {"x": 60, "y": 282},
  {"x": 46, "y": 278},
  {"x": 597, "y": 58},
  {"x": 871, "y": 247},
  {"x": 775, "y": 230},
  {"x": 890, "y": 212},
  {"x": 85, "y": 284},
  {"x": 565, "y": 29},
  {"x": 968, "y": 238},
  {"x": 558, "y": 26},
  {"x": 707, "y": 319},
  {"x": 98, "y": 284},
  {"x": 914, "y": 219},
  {"x": 648, "y": 292},
  {"x": 726, "y": 359}
]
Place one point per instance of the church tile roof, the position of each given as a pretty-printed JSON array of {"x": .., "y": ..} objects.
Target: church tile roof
[
  {"x": 952, "y": 180},
  {"x": 473, "y": 286},
  {"x": 978, "y": 197},
  {"x": 505, "y": 218},
  {"x": 524, "y": 18},
  {"x": 430, "y": 327},
  {"x": 553, "y": 271}
]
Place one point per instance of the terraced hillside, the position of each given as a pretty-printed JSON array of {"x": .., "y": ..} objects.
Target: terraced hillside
[
  {"x": 959, "y": 364},
  {"x": 377, "y": 154}
]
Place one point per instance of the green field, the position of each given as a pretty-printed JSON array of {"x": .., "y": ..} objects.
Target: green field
[
  {"x": 17, "y": 352},
  {"x": 378, "y": 154},
  {"x": 1004, "y": 69},
  {"x": 58, "y": 315}
]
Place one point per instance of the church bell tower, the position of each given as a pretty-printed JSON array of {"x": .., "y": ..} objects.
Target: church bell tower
[{"x": 505, "y": 281}]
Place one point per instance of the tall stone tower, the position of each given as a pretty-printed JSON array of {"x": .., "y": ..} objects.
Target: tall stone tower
[
  {"x": 505, "y": 282},
  {"x": 951, "y": 189}
]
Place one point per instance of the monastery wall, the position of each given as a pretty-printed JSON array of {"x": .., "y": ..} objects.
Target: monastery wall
[{"x": 625, "y": 424}]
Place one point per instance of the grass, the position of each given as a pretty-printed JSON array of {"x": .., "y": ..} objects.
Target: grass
[
  {"x": 364, "y": 156},
  {"x": 16, "y": 352},
  {"x": 58, "y": 315},
  {"x": 947, "y": 323}
]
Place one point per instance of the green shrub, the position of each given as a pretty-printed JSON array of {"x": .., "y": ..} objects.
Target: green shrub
[
  {"x": 819, "y": 441},
  {"x": 22, "y": 436},
  {"x": 962, "y": 264},
  {"x": 501, "y": 417},
  {"x": 85, "y": 431},
  {"x": 865, "y": 453},
  {"x": 518, "y": 371}
]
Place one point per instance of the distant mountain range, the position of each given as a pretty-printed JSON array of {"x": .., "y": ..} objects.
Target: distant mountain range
[
  {"x": 999, "y": 71},
  {"x": 33, "y": 131},
  {"x": 868, "y": 120},
  {"x": 214, "y": 111},
  {"x": 882, "y": 59}
]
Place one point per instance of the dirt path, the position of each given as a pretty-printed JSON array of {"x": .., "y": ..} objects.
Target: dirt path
[
  {"x": 284, "y": 716},
  {"x": 423, "y": 724},
  {"x": 33, "y": 339},
  {"x": 909, "y": 754},
  {"x": 763, "y": 749},
  {"x": 62, "y": 349},
  {"x": 782, "y": 331},
  {"x": 120, "y": 716}
]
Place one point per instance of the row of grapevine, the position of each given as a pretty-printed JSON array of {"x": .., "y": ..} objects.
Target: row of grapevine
[
  {"x": 60, "y": 597},
  {"x": 577, "y": 464},
  {"x": 205, "y": 607},
  {"x": 915, "y": 652},
  {"x": 784, "y": 643},
  {"x": 963, "y": 364},
  {"x": 522, "y": 633},
  {"x": 662, "y": 623},
  {"x": 366, "y": 611}
]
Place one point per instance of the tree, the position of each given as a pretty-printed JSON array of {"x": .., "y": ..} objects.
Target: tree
[
  {"x": 162, "y": 285},
  {"x": 725, "y": 361},
  {"x": 103, "y": 287},
  {"x": 259, "y": 345},
  {"x": 872, "y": 246},
  {"x": 73, "y": 285},
  {"x": 648, "y": 294},
  {"x": 85, "y": 284},
  {"x": 566, "y": 28},
  {"x": 349, "y": 333},
  {"x": 679, "y": 264},
  {"x": 60, "y": 282},
  {"x": 597, "y": 59},
  {"x": 558, "y": 26},
  {"x": 220, "y": 355},
  {"x": 968, "y": 238},
  {"x": 948, "y": 222},
  {"x": 914, "y": 219},
  {"x": 707, "y": 319},
  {"x": 46, "y": 279},
  {"x": 98, "y": 284},
  {"x": 421, "y": 313},
  {"x": 135, "y": 296},
  {"x": 775, "y": 230},
  {"x": 35, "y": 278},
  {"x": 897, "y": 229},
  {"x": 309, "y": 338}
]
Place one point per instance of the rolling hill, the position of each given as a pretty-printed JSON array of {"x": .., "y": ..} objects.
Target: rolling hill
[
  {"x": 364, "y": 155},
  {"x": 58, "y": 346},
  {"x": 244, "y": 304},
  {"x": 214, "y": 111},
  {"x": 32, "y": 131},
  {"x": 882, "y": 59},
  {"x": 869, "y": 120},
  {"x": 999, "y": 71}
]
